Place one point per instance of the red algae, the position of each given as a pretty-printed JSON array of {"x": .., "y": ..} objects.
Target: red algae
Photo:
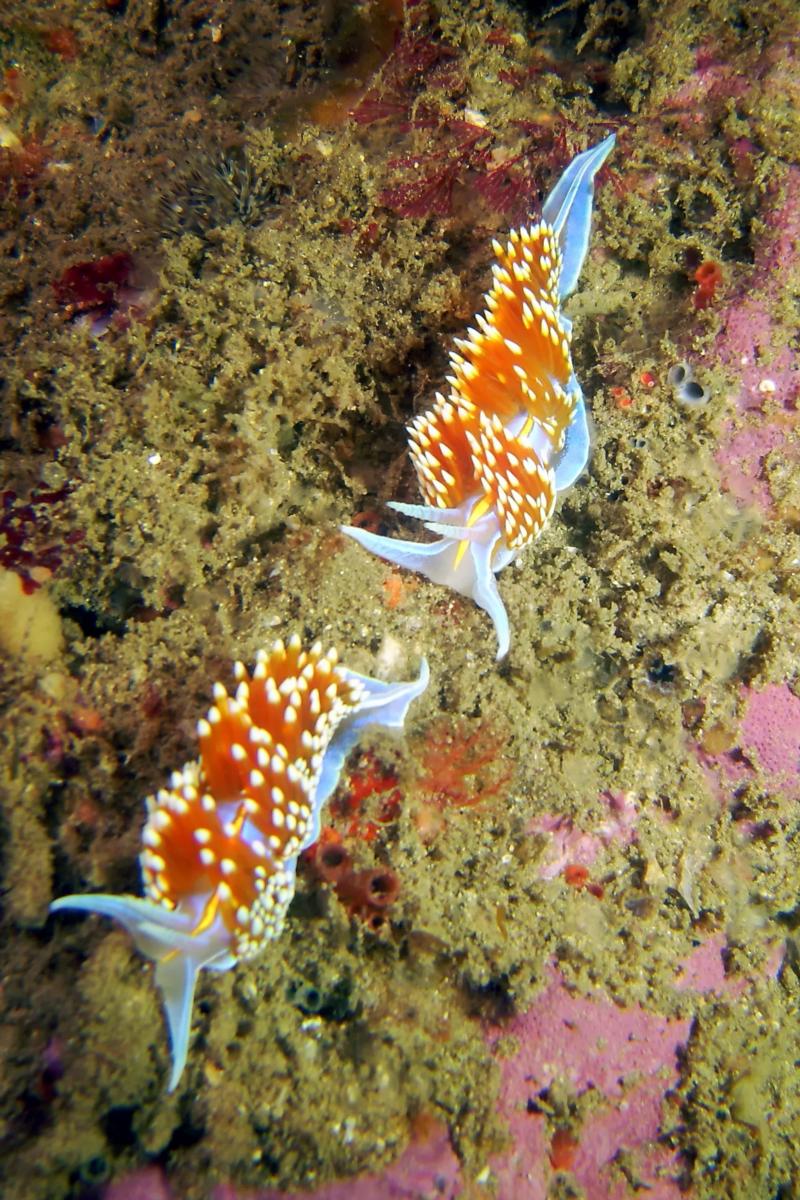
[
  {"x": 93, "y": 286},
  {"x": 105, "y": 291},
  {"x": 62, "y": 41},
  {"x": 27, "y": 529},
  {"x": 462, "y": 767},
  {"x": 628, "y": 1057}
]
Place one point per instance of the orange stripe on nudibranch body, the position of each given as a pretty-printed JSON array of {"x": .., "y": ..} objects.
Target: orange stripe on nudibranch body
[
  {"x": 221, "y": 842},
  {"x": 512, "y": 432}
]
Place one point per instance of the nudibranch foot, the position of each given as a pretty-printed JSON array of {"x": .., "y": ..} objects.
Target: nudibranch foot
[
  {"x": 513, "y": 432},
  {"x": 221, "y": 842},
  {"x": 458, "y": 559},
  {"x": 572, "y": 459}
]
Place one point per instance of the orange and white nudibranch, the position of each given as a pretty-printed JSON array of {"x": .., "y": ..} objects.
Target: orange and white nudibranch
[
  {"x": 221, "y": 842},
  {"x": 492, "y": 456}
]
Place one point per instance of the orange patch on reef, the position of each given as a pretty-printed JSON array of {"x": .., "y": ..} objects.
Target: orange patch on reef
[
  {"x": 63, "y": 42},
  {"x": 708, "y": 278},
  {"x": 396, "y": 589},
  {"x": 372, "y": 789},
  {"x": 577, "y": 876},
  {"x": 563, "y": 1148},
  {"x": 461, "y": 769}
]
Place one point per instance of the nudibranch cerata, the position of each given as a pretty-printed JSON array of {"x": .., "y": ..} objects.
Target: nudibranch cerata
[
  {"x": 220, "y": 844},
  {"x": 492, "y": 456}
]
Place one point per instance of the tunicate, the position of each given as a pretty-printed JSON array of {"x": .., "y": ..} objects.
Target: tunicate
[{"x": 686, "y": 388}]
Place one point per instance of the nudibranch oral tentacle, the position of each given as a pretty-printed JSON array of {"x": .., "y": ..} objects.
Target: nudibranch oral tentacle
[
  {"x": 221, "y": 842},
  {"x": 513, "y": 431}
]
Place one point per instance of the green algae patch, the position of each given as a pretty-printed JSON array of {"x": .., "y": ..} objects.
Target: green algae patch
[{"x": 740, "y": 1094}]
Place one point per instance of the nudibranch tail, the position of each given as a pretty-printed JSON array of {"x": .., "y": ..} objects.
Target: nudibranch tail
[
  {"x": 513, "y": 431},
  {"x": 179, "y": 952},
  {"x": 221, "y": 842}
]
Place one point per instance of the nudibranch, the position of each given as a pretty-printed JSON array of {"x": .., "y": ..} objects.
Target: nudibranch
[
  {"x": 220, "y": 844},
  {"x": 513, "y": 432}
]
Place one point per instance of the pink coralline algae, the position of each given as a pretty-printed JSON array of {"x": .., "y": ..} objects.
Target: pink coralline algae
[
  {"x": 627, "y": 1056},
  {"x": 757, "y": 347},
  {"x": 428, "y": 1170},
  {"x": 768, "y": 741},
  {"x": 756, "y": 337},
  {"x": 770, "y": 735},
  {"x": 149, "y": 1183},
  {"x": 570, "y": 846},
  {"x": 703, "y": 970},
  {"x": 713, "y": 81},
  {"x": 741, "y": 458}
]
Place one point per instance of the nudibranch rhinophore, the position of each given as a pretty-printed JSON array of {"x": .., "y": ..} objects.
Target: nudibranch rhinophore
[
  {"x": 492, "y": 456},
  {"x": 220, "y": 844}
]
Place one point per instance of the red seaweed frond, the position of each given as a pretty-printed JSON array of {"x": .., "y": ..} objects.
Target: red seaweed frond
[
  {"x": 430, "y": 191},
  {"x": 418, "y": 61},
  {"x": 510, "y": 173},
  {"x": 27, "y": 546},
  {"x": 421, "y": 94},
  {"x": 462, "y": 767},
  {"x": 93, "y": 286}
]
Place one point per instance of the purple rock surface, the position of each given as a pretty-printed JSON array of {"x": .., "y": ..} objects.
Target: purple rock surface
[{"x": 628, "y": 1056}]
